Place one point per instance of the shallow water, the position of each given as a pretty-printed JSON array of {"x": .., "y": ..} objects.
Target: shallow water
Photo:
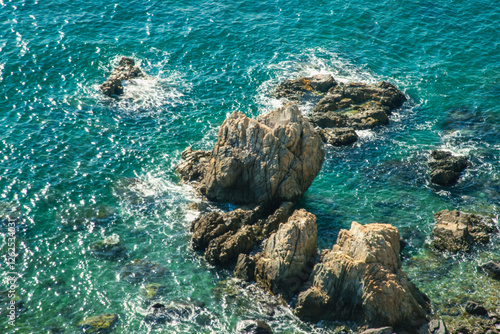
[{"x": 80, "y": 166}]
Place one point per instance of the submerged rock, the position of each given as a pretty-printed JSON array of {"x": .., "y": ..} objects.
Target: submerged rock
[
  {"x": 289, "y": 254},
  {"x": 253, "y": 327},
  {"x": 153, "y": 290},
  {"x": 456, "y": 231},
  {"x": 446, "y": 168},
  {"x": 111, "y": 248},
  {"x": 295, "y": 90},
  {"x": 160, "y": 313},
  {"x": 492, "y": 268},
  {"x": 125, "y": 70},
  {"x": 99, "y": 324},
  {"x": 360, "y": 279},
  {"x": 475, "y": 308},
  {"x": 143, "y": 270},
  {"x": 266, "y": 161}
]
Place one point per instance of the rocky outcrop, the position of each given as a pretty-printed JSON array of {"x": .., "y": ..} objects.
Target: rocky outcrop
[
  {"x": 297, "y": 89},
  {"x": 456, "y": 231},
  {"x": 222, "y": 236},
  {"x": 446, "y": 168},
  {"x": 193, "y": 165},
  {"x": 139, "y": 271},
  {"x": 99, "y": 324},
  {"x": 125, "y": 70},
  {"x": 492, "y": 268},
  {"x": 269, "y": 160},
  {"x": 245, "y": 267},
  {"x": 272, "y": 222},
  {"x": 289, "y": 254},
  {"x": 360, "y": 279},
  {"x": 338, "y": 136}
]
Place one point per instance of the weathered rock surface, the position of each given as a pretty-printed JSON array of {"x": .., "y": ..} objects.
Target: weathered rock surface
[
  {"x": 193, "y": 165},
  {"x": 99, "y": 324},
  {"x": 381, "y": 330},
  {"x": 270, "y": 160},
  {"x": 350, "y": 95},
  {"x": 253, "y": 327},
  {"x": 295, "y": 90},
  {"x": 360, "y": 279},
  {"x": 111, "y": 248},
  {"x": 289, "y": 254},
  {"x": 245, "y": 267},
  {"x": 272, "y": 223},
  {"x": 223, "y": 236},
  {"x": 446, "y": 168},
  {"x": 492, "y": 268},
  {"x": 437, "y": 327},
  {"x": 456, "y": 231},
  {"x": 125, "y": 70},
  {"x": 338, "y": 136},
  {"x": 143, "y": 270}
]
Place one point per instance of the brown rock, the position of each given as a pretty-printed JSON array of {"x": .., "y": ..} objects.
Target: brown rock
[
  {"x": 125, "y": 70},
  {"x": 294, "y": 90},
  {"x": 289, "y": 254},
  {"x": 193, "y": 165},
  {"x": 269, "y": 160},
  {"x": 457, "y": 231},
  {"x": 361, "y": 280},
  {"x": 225, "y": 249},
  {"x": 338, "y": 136},
  {"x": 245, "y": 267},
  {"x": 446, "y": 168}
]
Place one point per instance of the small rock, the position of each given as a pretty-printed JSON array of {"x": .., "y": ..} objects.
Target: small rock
[
  {"x": 272, "y": 223},
  {"x": 381, "y": 330},
  {"x": 253, "y": 327},
  {"x": 456, "y": 231},
  {"x": 193, "y": 165},
  {"x": 492, "y": 268},
  {"x": 143, "y": 270},
  {"x": 111, "y": 248},
  {"x": 125, "y": 70},
  {"x": 245, "y": 267},
  {"x": 446, "y": 168},
  {"x": 99, "y": 324},
  {"x": 338, "y": 136},
  {"x": 295, "y": 90},
  {"x": 475, "y": 309},
  {"x": 153, "y": 290},
  {"x": 437, "y": 327}
]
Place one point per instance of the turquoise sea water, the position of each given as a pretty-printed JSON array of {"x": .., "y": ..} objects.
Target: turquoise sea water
[{"x": 78, "y": 166}]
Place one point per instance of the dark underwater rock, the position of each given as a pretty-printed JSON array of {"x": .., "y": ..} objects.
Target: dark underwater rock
[
  {"x": 82, "y": 217},
  {"x": 111, "y": 248},
  {"x": 475, "y": 308},
  {"x": 99, "y": 324},
  {"x": 492, "y": 268},
  {"x": 456, "y": 231},
  {"x": 143, "y": 270},
  {"x": 160, "y": 313},
  {"x": 125, "y": 70},
  {"x": 446, "y": 168},
  {"x": 253, "y": 327}
]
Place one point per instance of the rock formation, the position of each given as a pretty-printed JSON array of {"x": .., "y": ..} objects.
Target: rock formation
[
  {"x": 492, "y": 268},
  {"x": 267, "y": 161},
  {"x": 338, "y": 136},
  {"x": 457, "y": 231},
  {"x": 289, "y": 254},
  {"x": 446, "y": 168},
  {"x": 295, "y": 90},
  {"x": 360, "y": 279},
  {"x": 125, "y": 70}
]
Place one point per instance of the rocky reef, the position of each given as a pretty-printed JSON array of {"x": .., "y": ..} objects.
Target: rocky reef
[{"x": 125, "y": 70}]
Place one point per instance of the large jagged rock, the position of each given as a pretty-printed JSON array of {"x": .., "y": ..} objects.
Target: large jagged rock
[
  {"x": 295, "y": 90},
  {"x": 272, "y": 222},
  {"x": 446, "y": 168},
  {"x": 270, "y": 160},
  {"x": 457, "y": 231},
  {"x": 360, "y": 279},
  {"x": 289, "y": 254},
  {"x": 225, "y": 249},
  {"x": 125, "y": 70}
]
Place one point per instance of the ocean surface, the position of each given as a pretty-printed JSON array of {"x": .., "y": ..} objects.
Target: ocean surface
[{"x": 76, "y": 166}]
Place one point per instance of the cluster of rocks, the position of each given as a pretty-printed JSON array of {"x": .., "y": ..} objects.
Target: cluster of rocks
[
  {"x": 125, "y": 70},
  {"x": 340, "y": 108},
  {"x": 267, "y": 164}
]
